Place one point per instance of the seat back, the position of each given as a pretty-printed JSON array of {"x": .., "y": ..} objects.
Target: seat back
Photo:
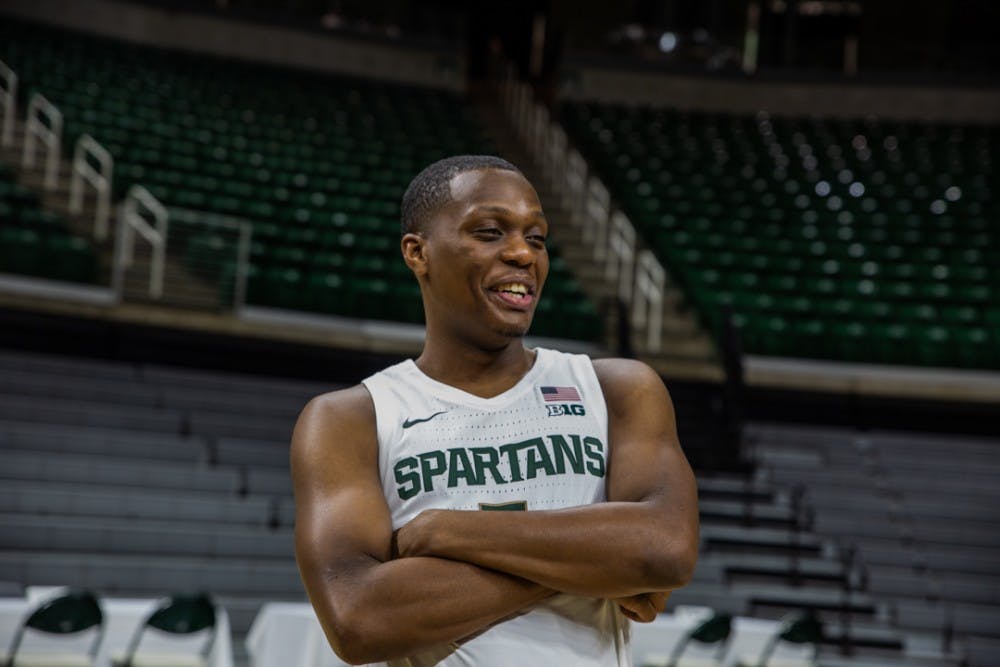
[
  {"x": 802, "y": 628},
  {"x": 713, "y": 630},
  {"x": 73, "y": 612},
  {"x": 798, "y": 628},
  {"x": 178, "y": 615},
  {"x": 184, "y": 614}
]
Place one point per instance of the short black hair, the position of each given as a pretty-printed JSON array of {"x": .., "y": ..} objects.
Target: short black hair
[{"x": 429, "y": 190}]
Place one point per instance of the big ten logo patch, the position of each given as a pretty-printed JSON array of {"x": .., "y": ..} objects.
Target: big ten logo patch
[{"x": 566, "y": 410}]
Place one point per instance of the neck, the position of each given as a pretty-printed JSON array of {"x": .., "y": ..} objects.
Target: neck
[{"x": 480, "y": 370}]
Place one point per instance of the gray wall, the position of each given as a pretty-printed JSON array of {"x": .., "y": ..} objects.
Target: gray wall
[
  {"x": 203, "y": 33},
  {"x": 844, "y": 100}
]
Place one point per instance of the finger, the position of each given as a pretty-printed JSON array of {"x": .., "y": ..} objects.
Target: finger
[
  {"x": 634, "y": 603},
  {"x": 659, "y": 600},
  {"x": 629, "y": 613},
  {"x": 645, "y": 612},
  {"x": 647, "y": 615}
]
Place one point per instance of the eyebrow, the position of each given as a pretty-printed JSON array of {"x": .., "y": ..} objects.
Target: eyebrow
[{"x": 502, "y": 210}]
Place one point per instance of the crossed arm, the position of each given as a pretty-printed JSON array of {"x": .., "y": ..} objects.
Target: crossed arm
[{"x": 457, "y": 573}]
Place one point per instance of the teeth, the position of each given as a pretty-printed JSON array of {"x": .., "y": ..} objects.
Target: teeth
[{"x": 517, "y": 288}]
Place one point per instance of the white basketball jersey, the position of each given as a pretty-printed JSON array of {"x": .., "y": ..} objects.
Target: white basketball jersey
[{"x": 542, "y": 444}]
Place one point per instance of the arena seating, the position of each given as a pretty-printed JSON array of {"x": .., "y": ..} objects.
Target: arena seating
[
  {"x": 138, "y": 479},
  {"x": 919, "y": 509},
  {"x": 164, "y": 478},
  {"x": 36, "y": 242},
  {"x": 123, "y": 479},
  {"x": 856, "y": 240},
  {"x": 317, "y": 163}
]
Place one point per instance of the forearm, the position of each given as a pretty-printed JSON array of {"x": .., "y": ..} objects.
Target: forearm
[
  {"x": 394, "y": 609},
  {"x": 605, "y": 550}
]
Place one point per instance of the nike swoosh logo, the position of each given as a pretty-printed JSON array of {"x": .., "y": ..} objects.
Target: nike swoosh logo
[{"x": 413, "y": 422}]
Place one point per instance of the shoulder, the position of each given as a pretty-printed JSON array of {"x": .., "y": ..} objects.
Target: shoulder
[
  {"x": 625, "y": 375},
  {"x": 342, "y": 417},
  {"x": 629, "y": 383},
  {"x": 353, "y": 404}
]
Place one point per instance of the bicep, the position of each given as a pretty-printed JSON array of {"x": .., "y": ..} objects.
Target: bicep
[
  {"x": 342, "y": 522},
  {"x": 646, "y": 463},
  {"x": 340, "y": 530}
]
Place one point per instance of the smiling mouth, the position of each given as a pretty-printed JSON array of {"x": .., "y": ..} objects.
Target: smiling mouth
[{"x": 515, "y": 294}]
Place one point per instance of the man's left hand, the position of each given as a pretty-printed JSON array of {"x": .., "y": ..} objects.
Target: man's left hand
[{"x": 643, "y": 607}]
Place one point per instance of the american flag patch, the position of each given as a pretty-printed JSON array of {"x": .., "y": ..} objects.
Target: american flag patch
[{"x": 559, "y": 394}]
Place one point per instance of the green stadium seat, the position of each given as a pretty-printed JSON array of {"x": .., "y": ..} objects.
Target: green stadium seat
[
  {"x": 935, "y": 345},
  {"x": 70, "y": 258},
  {"x": 20, "y": 250},
  {"x": 886, "y": 276},
  {"x": 317, "y": 163}
]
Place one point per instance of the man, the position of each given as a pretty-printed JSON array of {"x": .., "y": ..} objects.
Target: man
[{"x": 390, "y": 476}]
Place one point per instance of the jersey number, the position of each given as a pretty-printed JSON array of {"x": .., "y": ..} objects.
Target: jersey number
[{"x": 518, "y": 506}]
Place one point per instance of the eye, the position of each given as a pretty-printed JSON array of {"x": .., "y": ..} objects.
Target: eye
[{"x": 488, "y": 232}]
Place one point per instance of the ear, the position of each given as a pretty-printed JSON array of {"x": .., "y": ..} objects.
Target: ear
[{"x": 414, "y": 247}]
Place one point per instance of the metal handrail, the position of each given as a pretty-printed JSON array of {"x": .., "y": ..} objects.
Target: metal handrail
[
  {"x": 130, "y": 221},
  {"x": 244, "y": 231},
  {"x": 508, "y": 84},
  {"x": 575, "y": 185},
  {"x": 539, "y": 129},
  {"x": 8, "y": 100},
  {"x": 647, "y": 307},
  {"x": 50, "y": 135},
  {"x": 527, "y": 113},
  {"x": 556, "y": 154},
  {"x": 242, "y": 266},
  {"x": 100, "y": 179},
  {"x": 597, "y": 218},
  {"x": 524, "y": 100},
  {"x": 608, "y": 232},
  {"x": 516, "y": 97},
  {"x": 621, "y": 255}
]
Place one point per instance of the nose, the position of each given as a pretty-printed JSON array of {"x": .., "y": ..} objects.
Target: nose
[{"x": 517, "y": 251}]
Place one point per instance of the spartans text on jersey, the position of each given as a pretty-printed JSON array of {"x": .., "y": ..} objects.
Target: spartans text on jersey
[{"x": 480, "y": 466}]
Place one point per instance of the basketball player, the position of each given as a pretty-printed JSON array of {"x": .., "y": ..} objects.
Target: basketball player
[{"x": 395, "y": 478}]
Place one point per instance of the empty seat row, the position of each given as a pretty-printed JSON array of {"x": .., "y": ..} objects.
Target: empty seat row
[
  {"x": 100, "y": 471},
  {"x": 159, "y": 538},
  {"x": 36, "y": 242},
  {"x": 319, "y": 174},
  {"x": 31, "y": 498},
  {"x": 861, "y": 240},
  {"x": 142, "y": 574},
  {"x": 33, "y": 436},
  {"x": 916, "y": 510}
]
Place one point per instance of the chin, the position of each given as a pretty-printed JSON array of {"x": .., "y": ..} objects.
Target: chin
[
  {"x": 510, "y": 330},
  {"x": 509, "y": 324},
  {"x": 513, "y": 332}
]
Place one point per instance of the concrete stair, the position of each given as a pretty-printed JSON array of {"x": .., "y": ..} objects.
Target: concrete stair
[
  {"x": 687, "y": 351},
  {"x": 181, "y": 289}
]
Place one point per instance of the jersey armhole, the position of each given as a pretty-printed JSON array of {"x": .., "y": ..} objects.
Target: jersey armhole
[
  {"x": 593, "y": 386},
  {"x": 385, "y": 419}
]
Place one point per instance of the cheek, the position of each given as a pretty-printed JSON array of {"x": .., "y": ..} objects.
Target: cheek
[
  {"x": 543, "y": 267},
  {"x": 453, "y": 274}
]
